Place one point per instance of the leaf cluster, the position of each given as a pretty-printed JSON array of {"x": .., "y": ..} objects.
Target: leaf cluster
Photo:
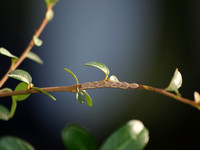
[{"x": 25, "y": 84}]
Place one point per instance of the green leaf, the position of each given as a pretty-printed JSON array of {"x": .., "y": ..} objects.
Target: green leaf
[
  {"x": 41, "y": 90},
  {"x": 175, "y": 83},
  {"x": 4, "y": 113},
  {"x": 78, "y": 138},
  {"x": 80, "y": 97},
  {"x": 132, "y": 136},
  {"x": 19, "y": 87},
  {"x": 13, "y": 61},
  {"x": 87, "y": 98},
  {"x": 21, "y": 75},
  {"x": 6, "y": 90},
  {"x": 48, "y": 2},
  {"x": 13, "y": 107},
  {"x": 69, "y": 71},
  {"x": 33, "y": 56},
  {"x": 14, "y": 143},
  {"x": 5, "y": 52},
  {"x": 38, "y": 42},
  {"x": 49, "y": 15},
  {"x": 100, "y": 66},
  {"x": 113, "y": 78}
]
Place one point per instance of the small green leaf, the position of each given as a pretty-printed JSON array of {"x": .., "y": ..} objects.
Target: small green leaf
[
  {"x": 78, "y": 138},
  {"x": 13, "y": 61},
  {"x": 49, "y": 15},
  {"x": 48, "y": 2},
  {"x": 113, "y": 78},
  {"x": 87, "y": 98},
  {"x": 132, "y": 136},
  {"x": 14, "y": 143},
  {"x": 13, "y": 107},
  {"x": 38, "y": 42},
  {"x": 175, "y": 83},
  {"x": 33, "y": 56},
  {"x": 196, "y": 97},
  {"x": 100, "y": 66},
  {"x": 41, "y": 90},
  {"x": 80, "y": 97},
  {"x": 19, "y": 87},
  {"x": 21, "y": 75},
  {"x": 6, "y": 90},
  {"x": 5, "y": 52},
  {"x": 69, "y": 71},
  {"x": 4, "y": 113}
]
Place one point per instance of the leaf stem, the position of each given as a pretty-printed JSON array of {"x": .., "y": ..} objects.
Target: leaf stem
[
  {"x": 28, "y": 48},
  {"x": 42, "y": 91}
]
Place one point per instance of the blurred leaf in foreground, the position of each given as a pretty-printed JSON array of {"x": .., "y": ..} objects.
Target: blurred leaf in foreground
[{"x": 131, "y": 136}]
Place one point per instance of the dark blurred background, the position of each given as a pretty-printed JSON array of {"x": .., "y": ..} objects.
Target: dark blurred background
[{"x": 140, "y": 41}]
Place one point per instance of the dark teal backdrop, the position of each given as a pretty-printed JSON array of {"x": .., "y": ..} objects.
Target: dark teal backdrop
[{"x": 140, "y": 41}]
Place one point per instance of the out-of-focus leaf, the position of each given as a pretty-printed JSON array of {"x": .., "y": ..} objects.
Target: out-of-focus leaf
[
  {"x": 14, "y": 143},
  {"x": 33, "y": 56},
  {"x": 132, "y": 136},
  {"x": 48, "y": 2},
  {"x": 100, "y": 66},
  {"x": 4, "y": 113},
  {"x": 69, "y": 71},
  {"x": 5, "y": 52},
  {"x": 21, "y": 75},
  {"x": 87, "y": 98},
  {"x": 196, "y": 97},
  {"x": 19, "y": 87},
  {"x": 38, "y": 42},
  {"x": 6, "y": 90},
  {"x": 78, "y": 138},
  {"x": 113, "y": 78},
  {"x": 175, "y": 83},
  {"x": 41, "y": 90}
]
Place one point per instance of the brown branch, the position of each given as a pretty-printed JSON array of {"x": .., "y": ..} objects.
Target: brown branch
[
  {"x": 105, "y": 84},
  {"x": 174, "y": 96},
  {"x": 73, "y": 88},
  {"x": 28, "y": 48}
]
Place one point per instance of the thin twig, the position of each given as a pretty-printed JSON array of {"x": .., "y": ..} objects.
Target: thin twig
[
  {"x": 174, "y": 96},
  {"x": 73, "y": 88},
  {"x": 28, "y": 48},
  {"x": 105, "y": 84}
]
